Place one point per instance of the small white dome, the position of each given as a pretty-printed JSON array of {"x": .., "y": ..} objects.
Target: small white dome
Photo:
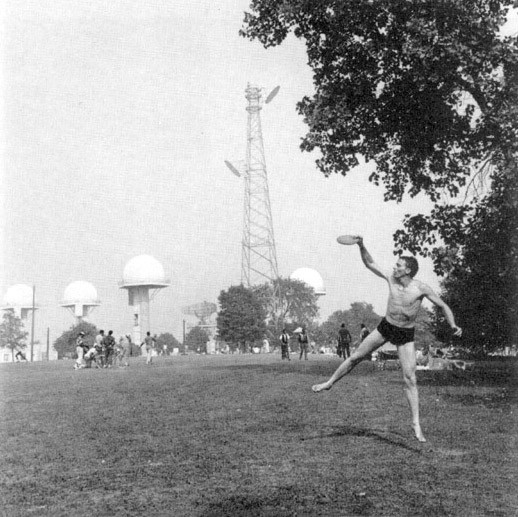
[
  {"x": 143, "y": 270},
  {"x": 80, "y": 292},
  {"x": 310, "y": 277},
  {"x": 18, "y": 296}
]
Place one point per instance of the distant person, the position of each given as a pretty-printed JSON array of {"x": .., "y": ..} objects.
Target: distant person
[
  {"x": 120, "y": 352},
  {"x": 126, "y": 347},
  {"x": 266, "y": 346},
  {"x": 397, "y": 327},
  {"x": 149, "y": 343},
  {"x": 19, "y": 356},
  {"x": 98, "y": 355},
  {"x": 285, "y": 345},
  {"x": 303, "y": 344},
  {"x": 344, "y": 342},
  {"x": 80, "y": 351},
  {"x": 108, "y": 349}
]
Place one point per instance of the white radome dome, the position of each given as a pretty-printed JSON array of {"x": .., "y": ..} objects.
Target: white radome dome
[
  {"x": 19, "y": 296},
  {"x": 143, "y": 270},
  {"x": 310, "y": 277},
  {"x": 80, "y": 292}
]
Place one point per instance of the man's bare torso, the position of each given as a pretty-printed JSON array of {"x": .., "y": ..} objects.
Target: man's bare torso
[{"x": 403, "y": 302}]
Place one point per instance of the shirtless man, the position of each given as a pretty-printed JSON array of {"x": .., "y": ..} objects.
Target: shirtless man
[{"x": 404, "y": 301}]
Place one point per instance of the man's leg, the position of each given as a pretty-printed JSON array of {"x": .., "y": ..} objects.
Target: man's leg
[
  {"x": 370, "y": 343},
  {"x": 407, "y": 359}
]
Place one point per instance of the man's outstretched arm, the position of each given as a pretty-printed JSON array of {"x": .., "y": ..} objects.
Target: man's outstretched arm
[
  {"x": 368, "y": 260},
  {"x": 433, "y": 297}
]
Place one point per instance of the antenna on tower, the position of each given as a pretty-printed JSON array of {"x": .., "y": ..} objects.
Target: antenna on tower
[
  {"x": 272, "y": 94},
  {"x": 233, "y": 169},
  {"x": 259, "y": 255}
]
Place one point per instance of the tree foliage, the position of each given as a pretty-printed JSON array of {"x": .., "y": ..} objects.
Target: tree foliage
[
  {"x": 65, "y": 345},
  {"x": 168, "y": 340},
  {"x": 359, "y": 312},
  {"x": 482, "y": 284},
  {"x": 12, "y": 333},
  {"x": 241, "y": 318},
  {"x": 426, "y": 89},
  {"x": 196, "y": 339},
  {"x": 296, "y": 305}
]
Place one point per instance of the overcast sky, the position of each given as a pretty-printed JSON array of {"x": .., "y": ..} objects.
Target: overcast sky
[{"x": 117, "y": 119}]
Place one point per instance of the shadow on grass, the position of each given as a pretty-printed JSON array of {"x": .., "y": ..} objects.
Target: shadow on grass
[
  {"x": 383, "y": 436},
  {"x": 483, "y": 375},
  {"x": 291, "y": 501},
  {"x": 299, "y": 367}
]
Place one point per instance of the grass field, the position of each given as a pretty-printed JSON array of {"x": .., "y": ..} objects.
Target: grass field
[{"x": 244, "y": 435}]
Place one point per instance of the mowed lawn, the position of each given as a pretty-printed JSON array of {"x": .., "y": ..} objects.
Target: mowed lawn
[{"x": 244, "y": 435}]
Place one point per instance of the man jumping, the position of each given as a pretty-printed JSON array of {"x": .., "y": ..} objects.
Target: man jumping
[{"x": 397, "y": 327}]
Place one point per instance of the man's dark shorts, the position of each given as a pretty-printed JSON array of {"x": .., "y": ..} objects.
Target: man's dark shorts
[{"x": 396, "y": 335}]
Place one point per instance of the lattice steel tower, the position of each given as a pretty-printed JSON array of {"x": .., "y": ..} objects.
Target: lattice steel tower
[{"x": 259, "y": 256}]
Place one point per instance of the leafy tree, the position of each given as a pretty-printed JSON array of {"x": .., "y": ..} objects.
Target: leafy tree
[
  {"x": 426, "y": 329},
  {"x": 168, "y": 340},
  {"x": 196, "y": 339},
  {"x": 428, "y": 90},
  {"x": 297, "y": 305},
  {"x": 360, "y": 312},
  {"x": 65, "y": 345},
  {"x": 241, "y": 318},
  {"x": 12, "y": 334},
  {"x": 482, "y": 285}
]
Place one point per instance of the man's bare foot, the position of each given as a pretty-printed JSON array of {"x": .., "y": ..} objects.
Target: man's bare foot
[
  {"x": 418, "y": 433},
  {"x": 321, "y": 387}
]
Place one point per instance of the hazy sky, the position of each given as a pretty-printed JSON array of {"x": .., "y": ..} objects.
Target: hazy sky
[{"x": 117, "y": 119}]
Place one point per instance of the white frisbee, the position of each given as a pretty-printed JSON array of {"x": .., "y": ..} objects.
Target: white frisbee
[{"x": 348, "y": 240}]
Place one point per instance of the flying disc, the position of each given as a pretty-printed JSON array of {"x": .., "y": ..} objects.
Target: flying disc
[{"x": 348, "y": 240}]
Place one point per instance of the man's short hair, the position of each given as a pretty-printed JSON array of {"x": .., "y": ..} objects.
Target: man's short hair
[{"x": 412, "y": 264}]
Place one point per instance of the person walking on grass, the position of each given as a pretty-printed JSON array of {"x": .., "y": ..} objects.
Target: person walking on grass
[
  {"x": 303, "y": 344},
  {"x": 81, "y": 348},
  {"x": 344, "y": 342},
  {"x": 109, "y": 349},
  {"x": 149, "y": 342},
  {"x": 397, "y": 327},
  {"x": 285, "y": 345}
]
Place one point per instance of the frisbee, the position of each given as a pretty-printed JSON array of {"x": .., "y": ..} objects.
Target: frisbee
[{"x": 348, "y": 240}]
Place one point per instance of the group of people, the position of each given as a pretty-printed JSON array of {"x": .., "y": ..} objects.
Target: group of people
[
  {"x": 104, "y": 353},
  {"x": 343, "y": 347},
  {"x": 303, "y": 340}
]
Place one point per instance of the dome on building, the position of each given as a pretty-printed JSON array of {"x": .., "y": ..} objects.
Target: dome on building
[
  {"x": 80, "y": 292},
  {"x": 18, "y": 296},
  {"x": 144, "y": 270},
  {"x": 310, "y": 277}
]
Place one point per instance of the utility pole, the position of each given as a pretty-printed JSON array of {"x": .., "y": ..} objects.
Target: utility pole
[
  {"x": 32, "y": 326},
  {"x": 48, "y": 343},
  {"x": 183, "y": 342}
]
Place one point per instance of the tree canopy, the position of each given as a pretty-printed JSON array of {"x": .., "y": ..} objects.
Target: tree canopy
[
  {"x": 296, "y": 305},
  {"x": 65, "y": 345},
  {"x": 196, "y": 339},
  {"x": 241, "y": 318},
  {"x": 482, "y": 284},
  {"x": 359, "y": 312},
  {"x": 12, "y": 333},
  {"x": 426, "y": 89},
  {"x": 168, "y": 340}
]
